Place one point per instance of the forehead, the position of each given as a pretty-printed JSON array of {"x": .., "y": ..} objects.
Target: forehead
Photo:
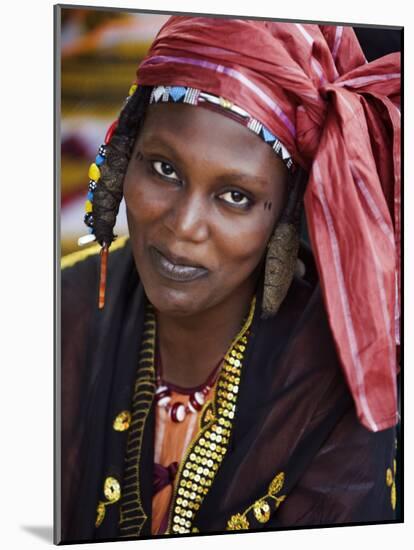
[{"x": 210, "y": 136}]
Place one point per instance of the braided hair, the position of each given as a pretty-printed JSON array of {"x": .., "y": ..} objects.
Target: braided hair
[{"x": 108, "y": 194}]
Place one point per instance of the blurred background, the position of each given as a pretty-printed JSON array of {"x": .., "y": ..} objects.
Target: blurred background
[{"x": 100, "y": 52}]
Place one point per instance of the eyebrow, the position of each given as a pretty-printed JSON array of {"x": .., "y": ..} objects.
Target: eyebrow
[
  {"x": 240, "y": 178},
  {"x": 231, "y": 177}
]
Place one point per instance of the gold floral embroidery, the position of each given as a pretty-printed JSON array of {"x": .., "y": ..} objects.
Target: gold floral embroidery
[
  {"x": 261, "y": 511},
  {"x": 277, "y": 483},
  {"x": 390, "y": 480},
  {"x": 100, "y": 514},
  {"x": 122, "y": 422},
  {"x": 262, "y": 507},
  {"x": 237, "y": 522},
  {"x": 112, "y": 492}
]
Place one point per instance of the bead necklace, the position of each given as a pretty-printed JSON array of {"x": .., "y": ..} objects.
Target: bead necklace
[{"x": 178, "y": 411}]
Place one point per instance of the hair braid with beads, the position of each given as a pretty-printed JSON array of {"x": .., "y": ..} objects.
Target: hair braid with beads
[{"x": 108, "y": 194}]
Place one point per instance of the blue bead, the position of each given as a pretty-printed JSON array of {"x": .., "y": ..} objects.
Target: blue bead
[
  {"x": 267, "y": 135},
  {"x": 177, "y": 92},
  {"x": 99, "y": 160},
  {"x": 90, "y": 196}
]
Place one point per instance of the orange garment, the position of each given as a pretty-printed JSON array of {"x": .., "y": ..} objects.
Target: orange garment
[{"x": 172, "y": 440}]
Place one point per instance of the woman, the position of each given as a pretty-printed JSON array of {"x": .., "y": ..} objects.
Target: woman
[{"x": 223, "y": 383}]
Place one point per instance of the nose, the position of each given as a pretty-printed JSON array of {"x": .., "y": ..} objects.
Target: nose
[{"x": 188, "y": 217}]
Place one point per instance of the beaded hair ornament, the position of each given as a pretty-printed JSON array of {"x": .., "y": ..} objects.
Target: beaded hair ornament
[{"x": 165, "y": 94}]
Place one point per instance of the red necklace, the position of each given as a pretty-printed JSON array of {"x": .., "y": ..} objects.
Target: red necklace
[{"x": 178, "y": 411}]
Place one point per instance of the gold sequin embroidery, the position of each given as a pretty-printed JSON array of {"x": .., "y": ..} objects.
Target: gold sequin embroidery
[
  {"x": 262, "y": 507},
  {"x": 261, "y": 511},
  {"x": 212, "y": 440},
  {"x": 237, "y": 523},
  {"x": 112, "y": 492},
  {"x": 122, "y": 422},
  {"x": 390, "y": 481}
]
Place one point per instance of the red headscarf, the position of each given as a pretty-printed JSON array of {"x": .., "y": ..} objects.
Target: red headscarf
[{"x": 339, "y": 118}]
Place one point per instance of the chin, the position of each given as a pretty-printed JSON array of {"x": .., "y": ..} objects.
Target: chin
[{"x": 171, "y": 301}]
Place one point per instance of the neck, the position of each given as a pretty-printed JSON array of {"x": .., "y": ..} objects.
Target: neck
[{"x": 190, "y": 347}]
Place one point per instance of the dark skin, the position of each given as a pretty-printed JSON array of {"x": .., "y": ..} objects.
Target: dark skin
[{"x": 204, "y": 191}]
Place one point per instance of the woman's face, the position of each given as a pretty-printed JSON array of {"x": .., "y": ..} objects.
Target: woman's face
[{"x": 203, "y": 194}]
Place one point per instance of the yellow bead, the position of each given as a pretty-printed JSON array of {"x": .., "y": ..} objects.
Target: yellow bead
[
  {"x": 225, "y": 103},
  {"x": 132, "y": 89},
  {"x": 88, "y": 207},
  {"x": 94, "y": 172}
]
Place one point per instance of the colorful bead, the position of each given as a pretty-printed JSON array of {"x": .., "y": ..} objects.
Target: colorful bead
[
  {"x": 102, "y": 276},
  {"x": 86, "y": 239},
  {"x": 88, "y": 219},
  {"x": 90, "y": 196},
  {"x": 88, "y": 206},
  {"x": 110, "y": 131},
  {"x": 163, "y": 398},
  {"x": 196, "y": 401},
  {"x": 94, "y": 172},
  {"x": 102, "y": 151},
  {"x": 92, "y": 185},
  {"x": 132, "y": 89},
  {"x": 225, "y": 103},
  {"x": 99, "y": 160},
  {"x": 178, "y": 412}
]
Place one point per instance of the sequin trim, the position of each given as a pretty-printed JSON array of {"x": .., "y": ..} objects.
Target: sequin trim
[{"x": 203, "y": 458}]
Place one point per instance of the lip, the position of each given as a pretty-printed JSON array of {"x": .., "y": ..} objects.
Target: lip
[{"x": 175, "y": 268}]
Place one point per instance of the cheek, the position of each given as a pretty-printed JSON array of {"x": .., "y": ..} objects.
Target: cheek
[
  {"x": 243, "y": 244},
  {"x": 143, "y": 203}
]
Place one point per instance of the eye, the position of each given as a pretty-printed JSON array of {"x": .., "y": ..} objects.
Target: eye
[
  {"x": 164, "y": 169},
  {"x": 236, "y": 198}
]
